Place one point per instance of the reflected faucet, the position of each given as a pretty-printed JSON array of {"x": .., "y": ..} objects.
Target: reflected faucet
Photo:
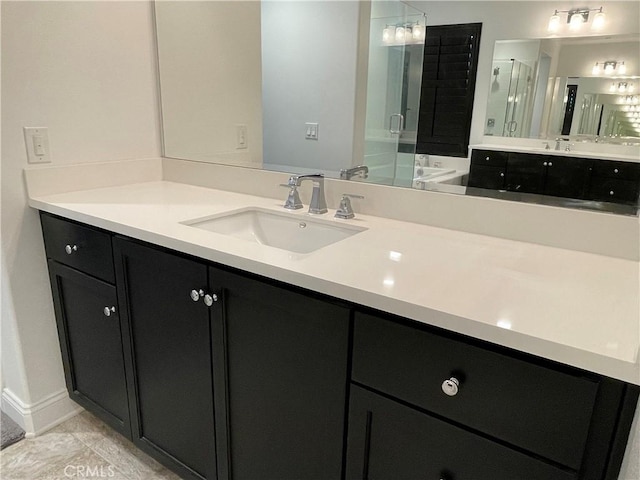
[
  {"x": 318, "y": 203},
  {"x": 349, "y": 173}
]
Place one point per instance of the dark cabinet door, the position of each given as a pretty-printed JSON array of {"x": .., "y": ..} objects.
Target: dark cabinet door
[
  {"x": 389, "y": 440},
  {"x": 284, "y": 358},
  {"x": 91, "y": 344},
  {"x": 567, "y": 177},
  {"x": 170, "y": 340},
  {"x": 481, "y": 176},
  {"x": 526, "y": 173}
]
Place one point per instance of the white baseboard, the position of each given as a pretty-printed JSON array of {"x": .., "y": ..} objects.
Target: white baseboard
[{"x": 37, "y": 418}]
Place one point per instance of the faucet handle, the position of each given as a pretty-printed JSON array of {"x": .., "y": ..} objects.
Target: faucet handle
[
  {"x": 293, "y": 201},
  {"x": 345, "y": 210}
]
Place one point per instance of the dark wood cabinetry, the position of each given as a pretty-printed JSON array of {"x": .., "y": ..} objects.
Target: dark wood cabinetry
[
  {"x": 556, "y": 175},
  {"x": 284, "y": 357},
  {"x": 91, "y": 344},
  {"x": 88, "y": 319},
  {"x": 221, "y": 374},
  {"x": 517, "y": 417},
  {"x": 170, "y": 343},
  {"x": 390, "y": 440}
]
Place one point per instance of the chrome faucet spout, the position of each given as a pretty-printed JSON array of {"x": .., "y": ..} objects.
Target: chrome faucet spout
[
  {"x": 349, "y": 173},
  {"x": 318, "y": 203}
]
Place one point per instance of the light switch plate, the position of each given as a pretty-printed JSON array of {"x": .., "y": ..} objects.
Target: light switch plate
[
  {"x": 241, "y": 136},
  {"x": 311, "y": 131},
  {"x": 36, "y": 139}
]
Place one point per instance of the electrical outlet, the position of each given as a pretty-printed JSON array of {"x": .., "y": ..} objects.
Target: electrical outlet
[
  {"x": 241, "y": 136},
  {"x": 36, "y": 139}
]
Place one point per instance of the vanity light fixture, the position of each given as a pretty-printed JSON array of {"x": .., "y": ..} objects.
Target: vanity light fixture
[
  {"x": 403, "y": 34},
  {"x": 576, "y": 17},
  {"x": 621, "y": 87},
  {"x": 609, "y": 67}
]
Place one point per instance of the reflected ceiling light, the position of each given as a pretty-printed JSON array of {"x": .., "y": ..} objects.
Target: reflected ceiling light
[
  {"x": 395, "y": 256},
  {"x": 404, "y": 33},
  {"x": 609, "y": 67},
  {"x": 388, "y": 33},
  {"x": 576, "y": 18},
  {"x": 417, "y": 32}
]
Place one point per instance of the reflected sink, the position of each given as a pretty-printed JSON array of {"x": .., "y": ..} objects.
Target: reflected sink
[{"x": 295, "y": 233}]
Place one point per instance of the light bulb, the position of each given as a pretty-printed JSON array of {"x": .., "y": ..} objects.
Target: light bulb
[
  {"x": 631, "y": 87},
  {"x": 576, "y": 21},
  {"x": 400, "y": 34},
  {"x": 408, "y": 37},
  {"x": 387, "y": 34},
  {"x": 612, "y": 88},
  {"x": 608, "y": 68},
  {"x": 554, "y": 22},
  {"x": 596, "y": 69},
  {"x": 622, "y": 69},
  {"x": 417, "y": 32},
  {"x": 598, "y": 20},
  {"x": 622, "y": 87}
]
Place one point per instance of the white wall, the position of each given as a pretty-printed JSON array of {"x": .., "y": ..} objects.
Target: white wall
[
  {"x": 299, "y": 41},
  {"x": 516, "y": 20},
  {"x": 210, "y": 75},
  {"x": 87, "y": 71}
]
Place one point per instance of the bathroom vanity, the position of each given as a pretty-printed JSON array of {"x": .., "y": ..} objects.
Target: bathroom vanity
[
  {"x": 223, "y": 358},
  {"x": 556, "y": 173}
]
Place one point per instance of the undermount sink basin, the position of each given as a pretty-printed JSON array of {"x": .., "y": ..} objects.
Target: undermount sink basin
[{"x": 295, "y": 233}]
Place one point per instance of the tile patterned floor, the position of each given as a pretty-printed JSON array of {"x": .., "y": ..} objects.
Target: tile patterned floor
[{"x": 82, "y": 447}]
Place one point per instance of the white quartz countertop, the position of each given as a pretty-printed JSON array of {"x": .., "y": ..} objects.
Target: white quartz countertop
[{"x": 577, "y": 308}]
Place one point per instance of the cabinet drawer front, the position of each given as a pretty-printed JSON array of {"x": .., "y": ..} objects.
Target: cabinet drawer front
[
  {"x": 78, "y": 246},
  {"x": 620, "y": 170},
  {"x": 489, "y": 157},
  {"x": 388, "y": 440},
  {"x": 536, "y": 408},
  {"x": 614, "y": 190}
]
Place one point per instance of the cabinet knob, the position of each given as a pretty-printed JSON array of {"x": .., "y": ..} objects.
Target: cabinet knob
[
  {"x": 551, "y": 164},
  {"x": 108, "y": 311},
  {"x": 451, "y": 386},
  {"x": 612, "y": 192},
  {"x": 70, "y": 249},
  {"x": 487, "y": 159},
  {"x": 544, "y": 164},
  {"x": 209, "y": 299},
  {"x": 502, "y": 174},
  {"x": 196, "y": 295},
  {"x": 615, "y": 170}
]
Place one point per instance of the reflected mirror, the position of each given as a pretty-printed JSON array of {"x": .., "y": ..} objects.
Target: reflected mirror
[
  {"x": 307, "y": 86},
  {"x": 584, "y": 88}
]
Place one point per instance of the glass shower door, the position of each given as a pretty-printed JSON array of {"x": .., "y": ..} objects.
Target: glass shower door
[{"x": 396, "y": 50}]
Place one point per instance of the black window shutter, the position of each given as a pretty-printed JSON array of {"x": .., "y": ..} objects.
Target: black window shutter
[{"x": 448, "y": 87}]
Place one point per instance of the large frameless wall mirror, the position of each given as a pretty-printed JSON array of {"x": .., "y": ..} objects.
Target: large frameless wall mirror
[
  {"x": 583, "y": 88},
  {"x": 308, "y": 86},
  {"x": 294, "y": 86}
]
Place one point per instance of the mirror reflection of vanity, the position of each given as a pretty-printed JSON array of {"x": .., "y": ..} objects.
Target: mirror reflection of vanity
[
  {"x": 251, "y": 92},
  {"x": 532, "y": 81}
]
